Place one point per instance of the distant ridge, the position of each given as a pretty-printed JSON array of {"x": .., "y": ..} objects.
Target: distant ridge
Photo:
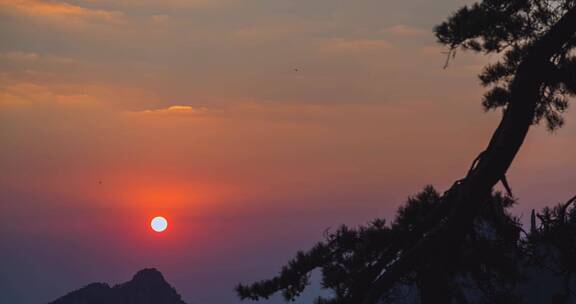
[{"x": 148, "y": 286}]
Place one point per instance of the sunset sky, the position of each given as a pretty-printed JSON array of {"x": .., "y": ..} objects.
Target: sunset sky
[{"x": 251, "y": 125}]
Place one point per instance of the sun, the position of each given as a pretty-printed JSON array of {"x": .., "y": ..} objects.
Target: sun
[{"x": 159, "y": 224}]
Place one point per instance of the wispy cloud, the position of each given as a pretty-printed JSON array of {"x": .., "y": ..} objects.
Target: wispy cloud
[
  {"x": 160, "y": 19},
  {"x": 33, "y": 94},
  {"x": 341, "y": 45},
  {"x": 19, "y": 56},
  {"x": 405, "y": 31},
  {"x": 171, "y": 4},
  {"x": 281, "y": 30},
  {"x": 176, "y": 109},
  {"x": 59, "y": 9}
]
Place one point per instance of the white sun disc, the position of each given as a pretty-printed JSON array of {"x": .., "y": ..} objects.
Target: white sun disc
[{"x": 159, "y": 224}]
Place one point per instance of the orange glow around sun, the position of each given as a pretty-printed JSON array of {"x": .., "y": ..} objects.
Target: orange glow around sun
[{"x": 156, "y": 195}]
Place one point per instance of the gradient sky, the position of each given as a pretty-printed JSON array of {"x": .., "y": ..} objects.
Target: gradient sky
[{"x": 252, "y": 125}]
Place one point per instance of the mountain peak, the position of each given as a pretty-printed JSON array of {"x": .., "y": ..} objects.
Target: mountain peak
[
  {"x": 148, "y": 286},
  {"x": 148, "y": 275}
]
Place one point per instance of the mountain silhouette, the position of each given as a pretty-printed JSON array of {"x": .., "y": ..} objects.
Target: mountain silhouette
[{"x": 148, "y": 286}]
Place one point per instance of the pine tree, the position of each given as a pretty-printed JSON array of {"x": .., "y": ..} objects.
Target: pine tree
[{"x": 435, "y": 244}]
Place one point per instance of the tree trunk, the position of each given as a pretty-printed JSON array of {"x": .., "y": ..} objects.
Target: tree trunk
[{"x": 435, "y": 285}]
